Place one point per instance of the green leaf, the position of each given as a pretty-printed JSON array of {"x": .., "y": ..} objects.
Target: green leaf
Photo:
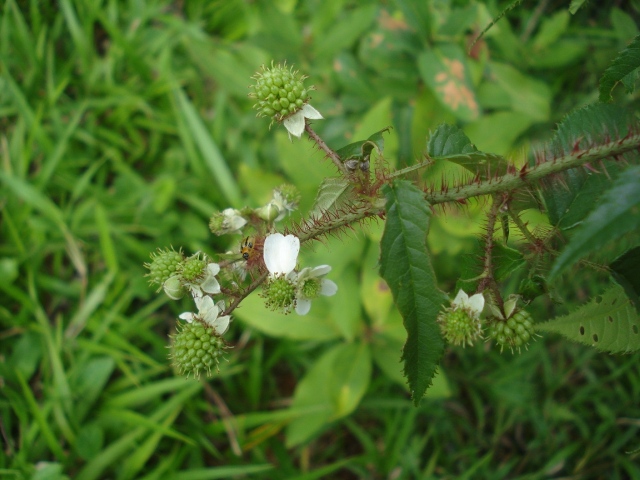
[
  {"x": 590, "y": 126},
  {"x": 506, "y": 260},
  {"x": 406, "y": 267},
  {"x": 609, "y": 322},
  {"x": 331, "y": 389},
  {"x": 625, "y": 270},
  {"x": 450, "y": 143},
  {"x": 332, "y": 194},
  {"x": 617, "y": 214},
  {"x": 526, "y": 95},
  {"x": 445, "y": 71},
  {"x": 344, "y": 31},
  {"x": 573, "y": 195},
  {"x": 313, "y": 326},
  {"x": 626, "y": 62},
  {"x": 210, "y": 152},
  {"x": 575, "y": 6},
  {"x": 551, "y": 29},
  {"x": 362, "y": 149},
  {"x": 570, "y": 195}
]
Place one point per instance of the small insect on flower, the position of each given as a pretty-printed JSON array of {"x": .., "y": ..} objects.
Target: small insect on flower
[{"x": 247, "y": 248}]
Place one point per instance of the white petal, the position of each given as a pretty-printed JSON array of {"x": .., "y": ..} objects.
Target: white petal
[
  {"x": 320, "y": 270},
  {"x": 221, "y": 324},
  {"x": 208, "y": 311},
  {"x": 303, "y": 306},
  {"x": 213, "y": 269},
  {"x": 476, "y": 303},
  {"x": 328, "y": 288},
  {"x": 461, "y": 299},
  {"x": 187, "y": 316},
  {"x": 203, "y": 303},
  {"x": 210, "y": 285},
  {"x": 281, "y": 253},
  {"x": 295, "y": 123},
  {"x": 310, "y": 112}
]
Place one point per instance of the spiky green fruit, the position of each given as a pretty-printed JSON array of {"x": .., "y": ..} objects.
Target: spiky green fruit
[
  {"x": 279, "y": 91},
  {"x": 164, "y": 264},
  {"x": 195, "y": 349},
  {"x": 193, "y": 269},
  {"x": 458, "y": 327},
  {"x": 279, "y": 294},
  {"x": 516, "y": 332}
]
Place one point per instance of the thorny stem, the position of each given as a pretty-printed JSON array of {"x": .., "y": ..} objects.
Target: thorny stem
[
  {"x": 488, "y": 281},
  {"x": 255, "y": 284},
  {"x": 507, "y": 182},
  {"x": 325, "y": 148},
  {"x": 515, "y": 180},
  {"x": 521, "y": 226}
]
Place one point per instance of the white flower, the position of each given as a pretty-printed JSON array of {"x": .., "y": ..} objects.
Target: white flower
[
  {"x": 208, "y": 284},
  {"x": 310, "y": 285},
  {"x": 284, "y": 203},
  {"x": 473, "y": 305},
  {"x": 295, "y": 123},
  {"x": 233, "y": 221},
  {"x": 208, "y": 314},
  {"x": 281, "y": 254}
]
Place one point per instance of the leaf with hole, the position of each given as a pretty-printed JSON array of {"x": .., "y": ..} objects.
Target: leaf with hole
[{"x": 609, "y": 323}]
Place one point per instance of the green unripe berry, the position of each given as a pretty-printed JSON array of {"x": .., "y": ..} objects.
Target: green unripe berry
[
  {"x": 195, "y": 349},
  {"x": 310, "y": 288},
  {"x": 193, "y": 268},
  {"x": 459, "y": 328},
  {"x": 279, "y": 294},
  {"x": 515, "y": 332},
  {"x": 164, "y": 264},
  {"x": 278, "y": 91}
]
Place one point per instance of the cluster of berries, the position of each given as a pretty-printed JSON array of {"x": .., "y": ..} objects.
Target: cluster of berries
[{"x": 461, "y": 323}]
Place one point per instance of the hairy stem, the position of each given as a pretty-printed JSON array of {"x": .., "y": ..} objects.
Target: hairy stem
[
  {"x": 325, "y": 148},
  {"x": 315, "y": 228},
  {"x": 236, "y": 301},
  {"x": 488, "y": 281},
  {"x": 513, "y": 181}
]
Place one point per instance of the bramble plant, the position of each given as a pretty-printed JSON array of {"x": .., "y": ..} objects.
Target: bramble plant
[
  {"x": 592, "y": 143},
  {"x": 242, "y": 239}
]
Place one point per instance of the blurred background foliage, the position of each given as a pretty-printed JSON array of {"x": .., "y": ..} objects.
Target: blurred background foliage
[{"x": 125, "y": 124}]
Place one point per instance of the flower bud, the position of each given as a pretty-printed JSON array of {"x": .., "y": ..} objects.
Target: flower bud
[
  {"x": 228, "y": 221},
  {"x": 269, "y": 212},
  {"x": 173, "y": 288}
]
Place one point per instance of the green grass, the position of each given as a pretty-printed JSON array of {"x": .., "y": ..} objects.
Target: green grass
[{"x": 125, "y": 124}]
